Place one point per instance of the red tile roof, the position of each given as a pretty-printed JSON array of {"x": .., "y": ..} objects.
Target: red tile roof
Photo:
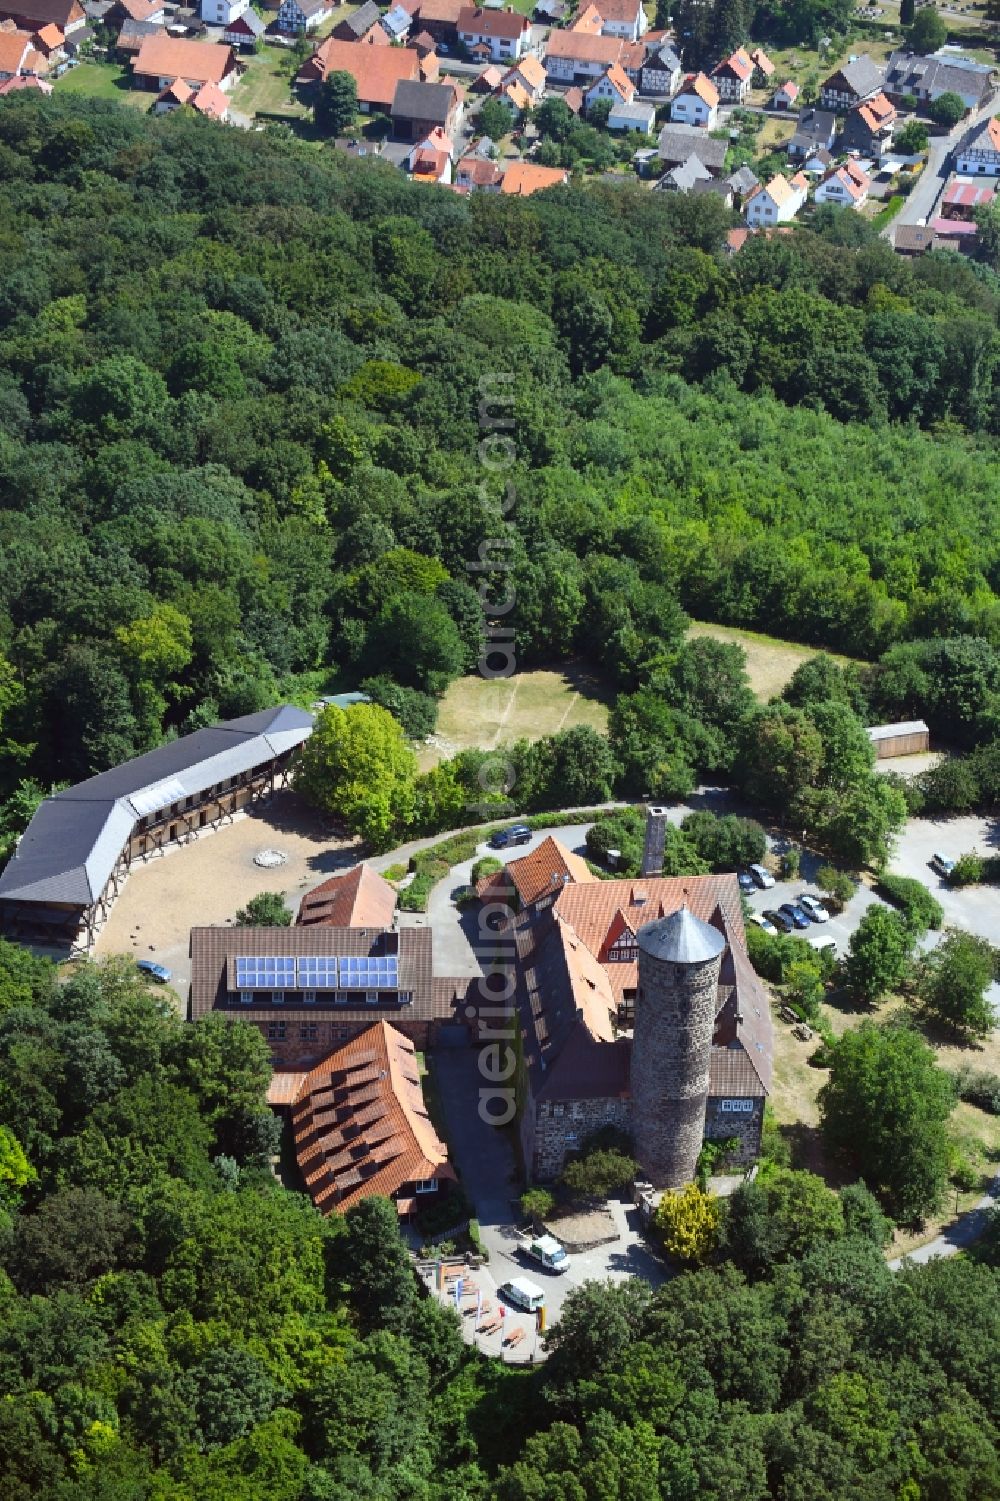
[
  {"x": 506, "y": 25},
  {"x": 360, "y": 898},
  {"x": 524, "y": 178},
  {"x": 14, "y": 46},
  {"x": 175, "y": 57},
  {"x": 361, "y": 1126},
  {"x": 738, "y": 64},
  {"x": 538, "y": 874},
  {"x": 376, "y": 70}
]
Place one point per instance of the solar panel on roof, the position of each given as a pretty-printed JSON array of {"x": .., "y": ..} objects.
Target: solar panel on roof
[{"x": 265, "y": 972}]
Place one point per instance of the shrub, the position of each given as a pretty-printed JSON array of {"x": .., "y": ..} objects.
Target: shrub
[
  {"x": 537, "y": 1204},
  {"x": 964, "y": 1173},
  {"x": 394, "y": 872},
  {"x": 969, "y": 870},
  {"x": 791, "y": 862},
  {"x": 836, "y": 885},
  {"x": 920, "y": 908},
  {"x": 599, "y": 1175},
  {"x": 488, "y": 865},
  {"x": 979, "y": 1087},
  {"x": 475, "y": 1236},
  {"x": 688, "y": 1224}
]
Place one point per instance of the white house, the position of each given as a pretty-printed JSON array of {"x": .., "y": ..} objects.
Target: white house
[
  {"x": 221, "y": 12},
  {"x": 430, "y": 160},
  {"x": 624, "y": 18},
  {"x": 786, "y": 96},
  {"x": 696, "y": 103},
  {"x": 661, "y": 71},
  {"x": 639, "y": 115},
  {"x": 776, "y": 203},
  {"x": 614, "y": 85},
  {"x": 846, "y": 186},
  {"x": 576, "y": 57},
  {"x": 503, "y": 34},
  {"x": 979, "y": 154}
]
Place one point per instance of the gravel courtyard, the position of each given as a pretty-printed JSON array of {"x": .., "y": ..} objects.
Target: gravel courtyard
[{"x": 206, "y": 881}]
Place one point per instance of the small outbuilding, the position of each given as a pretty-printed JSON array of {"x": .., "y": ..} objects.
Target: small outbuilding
[{"x": 911, "y": 738}]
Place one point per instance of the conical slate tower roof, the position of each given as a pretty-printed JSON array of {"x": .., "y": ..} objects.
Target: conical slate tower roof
[{"x": 681, "y": 938}]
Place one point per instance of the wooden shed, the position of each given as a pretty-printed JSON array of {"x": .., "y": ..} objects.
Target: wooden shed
[{"x": 907, "y": 739}]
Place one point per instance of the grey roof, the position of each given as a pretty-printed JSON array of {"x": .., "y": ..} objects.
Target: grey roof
[
  {"x": 251, "y": 20},
  {"x": 681, "y": 938},
  {"x": 362, "y": 20},
  {"x": 743, "y": 180},
  {"x": 908, "y": 72},
  {"x": 662, "y": 57},
  {"x": 73, "y": 842},
  {"x": 638, "y": 113},
  {"x": 684, "y": 177},
  {"x": 679, "y": 142},
  {"x": 890, "y": 731},
  {"x": 423, "y": 101},
  {"x": 862, "y": 76}
]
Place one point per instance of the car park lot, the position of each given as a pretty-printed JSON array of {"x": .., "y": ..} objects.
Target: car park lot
[{"x": 840, "y": 925}]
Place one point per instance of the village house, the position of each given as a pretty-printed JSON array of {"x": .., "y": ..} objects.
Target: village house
[
  {"x": 31, "y": 15},
  {"x": 361, "y": 1128},
  {"x": 208, "y": 101},
  {"x": 785, "y": 97},
  {"x": 488, "y": 81},
  {"x": 614, "y": 86},
  {"x": 377, "y": 71},
  {"x": 430, "y": 159},
  {"x": 857, "y": 80},
  {"x": 733, "y": 76},
  {"x": 578, "y": 989},
  {"x": 529, "y": 75},
  {"x": 358, "y": 898},
  {"x": 221, "y": 12},
  {"x": 246, "y": 30},
  {"x": 927, "y": 78},
  {"x": 640, "y": 115},
  {"x": 81, "y": 843},
  {"x": 683, "y": 178},
  {"x": 521, "y": 179},
  {"x": 868, "y": 128},
  {"x": 120, "y": 11},
  {"x": 162, "y": 59},
  {"x": 624, "y": 18},
  {"x": 24, "y": 81},
  {"x": 576, "y": 57},
  {"x": 677, "y": 143},
  {"x": 846, "y": 186},
  {"x": 696, "y": 103},
  {"x": 397, "y": 23},
  {"x": 418, "y": 107},
  {"x": 439, "y": 18},
  {"x": 533, "y": 881},
  {"x": 777, "y": 202},
  {"x": 478, "y": 174},
  {"x": 49, "y": 42},
  {"x": 815, "y": 130},
  {"x": 763, "y": 68},
  {"x": 353, "y": 27},
  {"x": 504, "y": 34},
  {"x": 661, "y": 71},
  {"x": 963, "y": 197},
  {"x": 296, "y": 17},
  {"x": 979, "y": 153},
  {"x": 587, "y": 21},
  {"x": 17, "y": 55}
]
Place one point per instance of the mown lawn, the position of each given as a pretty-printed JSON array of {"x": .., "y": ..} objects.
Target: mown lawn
[
  {"x": 106, "y": 81},
  {"x": 267, "y": 86},
  {"x": 770, "y": 662},
  {"x": 481, "y": 712}
]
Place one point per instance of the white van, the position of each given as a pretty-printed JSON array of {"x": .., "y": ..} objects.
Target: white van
[
  {"x": 522, "y": 1294},
  {"x": 825, "y": 945},
  {"x": 547, "y": 1250}
]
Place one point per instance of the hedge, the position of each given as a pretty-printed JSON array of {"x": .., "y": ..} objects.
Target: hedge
[{"x": 920, "y": 908}]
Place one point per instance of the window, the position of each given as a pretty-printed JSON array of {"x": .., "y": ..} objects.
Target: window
[
  {"x": 371, "y": 997},
  {"x": 246, "y": 997},
  {"x": 309, "y": 997},
  {"x": 559, "y": 1109},
  {"x": 307, "y": 1032},
  {"x": 406, "y": 997},
  {"x": 425, "y": 1185},
  {"x": 736, "y": 1107},
  {"x": 276, "y": 1031},
  {"x": 277, "y": 997}
]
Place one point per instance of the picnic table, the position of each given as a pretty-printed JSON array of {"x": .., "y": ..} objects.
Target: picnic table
[
  {"x": 490, "y": 1326},
  {"x": 515, "y": 1337}
]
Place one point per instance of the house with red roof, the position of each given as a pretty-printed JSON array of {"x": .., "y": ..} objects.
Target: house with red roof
[
  {"x": 846, "y": 186},
  {"x": 614, "y": 85},
  {"x": 696, "y": 102},
  {"x": 161, "y": 60},
  {"x": 503, "y": 34},
  {"x": 733, "y": 77},
  {"x": 430, "y": 159},
  {"x": 786, "y": 96}
]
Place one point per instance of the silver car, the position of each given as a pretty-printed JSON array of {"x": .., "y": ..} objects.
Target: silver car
[
  {"x": 762, "y": 876},
  {"x": 814, "y": 909}
]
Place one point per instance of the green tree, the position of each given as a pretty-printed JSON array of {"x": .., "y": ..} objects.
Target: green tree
[
  {"x": 554, "y": 118},
  {"x": 913, "y": 138},
  {"x": 337, "y": 104},
  {"x": 267, "y": 910},
  {"x": 416, "y": 640},
  {"x": 877, "y": 955},
  {"x": 375, "y": 1265},
  {"x": 927, "y": 33},
  {"x": 356, "y": 764},
  {"x": 599, "y": 1174},
  {"x": 884, "y": 1110},
  {"x": 780, "y": 1216},
  {"x": 952, "y": 981},
  {"x": 863, "y": 1217},
  {"x": 947, "y": 109},
  {"x": 688, "y": 1221},
  {"x": 496, "y": 119},
  {"x": 16, "y": 1172},
  {"x": 781, "y": 754}
]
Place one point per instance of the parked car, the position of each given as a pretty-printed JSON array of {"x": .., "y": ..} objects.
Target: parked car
[
  {"x": 762, "y": 876},
  {"x": 780, "y": 921},
  {"x": 942, "y": 865},
  {"x": 761, "y": 920},
  {"x": 518, "y": 833},
  {"x": 747, "y": 882},
  {"x": 813, "y": 907},
  {"x": 823, "y": 945},
  {"x": 155, "y": 972},
  {"x": 795, "y": 914}
]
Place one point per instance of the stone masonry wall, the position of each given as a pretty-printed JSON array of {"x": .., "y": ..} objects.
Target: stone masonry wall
[
  {"x": 730, "y": 1117},
  {"x": 562, "y": 1128}
]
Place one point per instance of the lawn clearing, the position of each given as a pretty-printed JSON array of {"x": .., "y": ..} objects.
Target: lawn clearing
[
  {"x": 266, "y": 87},
  {"x": 770, "y": 662},
  {"x": 106, "y": 81},
  {"x": 484, "y": 712}
]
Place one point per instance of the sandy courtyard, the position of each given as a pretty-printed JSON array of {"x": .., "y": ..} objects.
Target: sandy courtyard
[{"x": 206, "y": 881}]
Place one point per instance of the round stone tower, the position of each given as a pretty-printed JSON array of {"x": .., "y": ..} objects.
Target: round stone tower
[{"x": 679, "y": 961}]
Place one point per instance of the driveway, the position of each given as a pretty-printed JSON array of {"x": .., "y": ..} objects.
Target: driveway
[
  {"x": 959, "y": 1235},
  {"x": 919, "y": 207}
]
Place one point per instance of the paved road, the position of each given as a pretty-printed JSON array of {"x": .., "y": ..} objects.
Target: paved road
[
  {"x": 959, "y": 1235},
  {"x": 920, "y": 206}
]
